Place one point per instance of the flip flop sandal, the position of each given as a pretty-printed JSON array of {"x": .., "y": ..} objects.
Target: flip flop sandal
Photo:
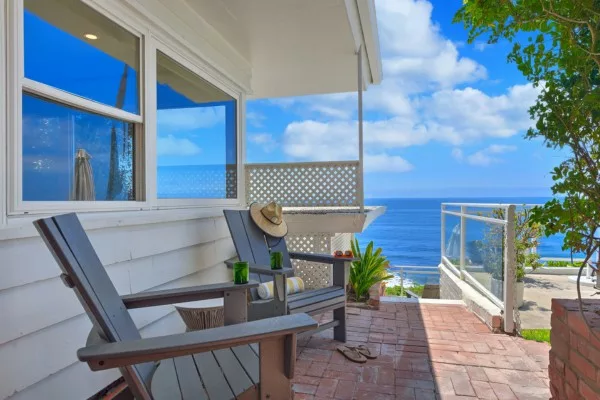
[
  {"x": 352, "y": 354},
  {"x": 364, "y": 350}
]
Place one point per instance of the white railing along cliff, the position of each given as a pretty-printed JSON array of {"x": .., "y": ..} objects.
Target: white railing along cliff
[{"x": 478, "y": 273}]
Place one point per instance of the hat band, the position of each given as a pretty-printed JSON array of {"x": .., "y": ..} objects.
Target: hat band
[{"x": 272, "y": 218}]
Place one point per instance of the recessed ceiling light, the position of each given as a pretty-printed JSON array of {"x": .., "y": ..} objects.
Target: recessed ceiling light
[{"x": 90, "y": 36}]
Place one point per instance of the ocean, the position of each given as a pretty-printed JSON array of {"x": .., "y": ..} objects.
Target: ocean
[{"x": 409, "y": 233}]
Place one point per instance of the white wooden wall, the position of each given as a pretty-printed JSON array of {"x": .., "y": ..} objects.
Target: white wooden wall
[{"x": 43, "y": 324}]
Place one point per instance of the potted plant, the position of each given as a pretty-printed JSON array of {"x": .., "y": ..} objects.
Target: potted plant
[
  {"x": 527, "y": 236},
  {"x": 368, "y": 273}
]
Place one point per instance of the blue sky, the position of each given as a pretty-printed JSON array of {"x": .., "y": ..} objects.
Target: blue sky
[{"x": 448, "y": 119}]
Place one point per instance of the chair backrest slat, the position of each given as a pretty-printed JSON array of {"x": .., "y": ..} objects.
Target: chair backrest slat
[
  {"x": 68, "y": 242},
  {"x": 251, "y": 243}
]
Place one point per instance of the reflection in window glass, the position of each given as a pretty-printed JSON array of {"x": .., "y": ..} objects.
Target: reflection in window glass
[
  {"x": 53, "y": 137},
  {"x": 104, "y": 66},
  {"x": 196, "y": 143}
]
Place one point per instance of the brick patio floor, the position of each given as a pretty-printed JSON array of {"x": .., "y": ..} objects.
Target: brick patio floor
[{"x": 426, "y": 351}]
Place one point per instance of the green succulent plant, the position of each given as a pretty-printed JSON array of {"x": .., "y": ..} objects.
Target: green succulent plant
[{"x": 370, "y": 269}]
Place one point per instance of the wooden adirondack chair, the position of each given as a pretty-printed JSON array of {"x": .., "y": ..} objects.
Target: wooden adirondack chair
[
  {"x": 253, "y": 245},
  {"x": 249, "y": 360}
]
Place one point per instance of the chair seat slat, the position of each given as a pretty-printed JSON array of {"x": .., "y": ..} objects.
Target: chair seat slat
[
  {"x": 311, "y": 293},
  {"x": 235, "y": 374},
  {"x": 214, "y": 382},
  {"x": 339, "y": 293},
  {"x": 249, "y": 360},
  {"x": 190, "y": 383},
  {"x": 164, "y": 384}
]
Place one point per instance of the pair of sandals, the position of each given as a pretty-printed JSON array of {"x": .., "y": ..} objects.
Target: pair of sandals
[{"x": 358, "y": 354}]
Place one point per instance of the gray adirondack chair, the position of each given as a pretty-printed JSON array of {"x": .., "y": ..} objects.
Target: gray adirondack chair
[
  {"x": 248, "y": 360},
  {"x": 254, "y": 246}
]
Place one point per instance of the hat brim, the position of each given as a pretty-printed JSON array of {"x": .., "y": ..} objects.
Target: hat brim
[{"x": 264, "y": 224}]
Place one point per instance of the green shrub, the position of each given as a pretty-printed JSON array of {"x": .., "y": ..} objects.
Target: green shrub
[
  {"x": 370, "y": 269},
  {"x": 557, "y": 263},
  {"x": 401, "y": 291}
]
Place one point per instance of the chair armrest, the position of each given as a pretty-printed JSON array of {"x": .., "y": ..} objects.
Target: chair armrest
[
  {"x": 182, "y": 295},
  {"x": 263, "y": 270},
  {"x": 121, "y": 354},
  {"x": 322, "y": 258}
]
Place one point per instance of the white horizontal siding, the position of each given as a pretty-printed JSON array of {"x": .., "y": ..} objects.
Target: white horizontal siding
[
  {"x": 27, "y": 260},
  {"x": 44, "y": 324}
]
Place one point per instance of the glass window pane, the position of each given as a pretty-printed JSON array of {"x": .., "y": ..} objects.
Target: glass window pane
[
  {"x": 196, "y": 143},
  {"x": 75, "y": 155},
  {"x": 102, "y": 66}
]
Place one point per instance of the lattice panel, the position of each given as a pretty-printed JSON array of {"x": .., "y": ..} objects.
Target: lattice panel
[
  {"x": 314, "y": 275},
  {"x": 197, "y": 181},
  {"x": 325, "y": 184}
]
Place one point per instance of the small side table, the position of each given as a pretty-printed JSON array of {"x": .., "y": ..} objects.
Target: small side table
[{"x": 203, "y": 314}]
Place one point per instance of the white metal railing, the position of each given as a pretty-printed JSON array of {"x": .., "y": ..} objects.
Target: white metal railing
[
  {"x": 305, "y": 184},
  {"x": 505, "y": 300},
  {"x": 415, "y": 270}
]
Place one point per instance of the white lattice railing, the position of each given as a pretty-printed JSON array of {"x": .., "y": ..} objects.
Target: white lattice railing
[{"x": 315, "y": 184}]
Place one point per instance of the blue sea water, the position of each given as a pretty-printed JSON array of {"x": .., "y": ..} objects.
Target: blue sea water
[{"x": 410, "y": 232}]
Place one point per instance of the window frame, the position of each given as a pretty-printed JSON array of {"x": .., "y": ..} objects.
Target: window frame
[
  {"x": 20, "y": 85},
  {"x": 152, "y": 39},
  {"x": 202, "y": 73}
]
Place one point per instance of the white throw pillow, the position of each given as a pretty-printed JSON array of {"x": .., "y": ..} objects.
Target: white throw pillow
[{"x": 294, "y": 285}]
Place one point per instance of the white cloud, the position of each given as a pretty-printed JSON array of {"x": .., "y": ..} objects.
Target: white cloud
[
  {"x": 458, "y": 154},
  {"x": 265, "y": 140},
  {"x": 481, "y": 46},
  {"x": 417, "y": 59},
  {"x": 489, "y": 155},
  {"x": 188, "y": 119},
  {"x": 255, "y": 119},
  {"x": 414, "y": 47},
  {"x": 468, "y": 114},
  {"x": 386, "y": 163},
  {"x": 452, "y": 116},
  {"x": 172, "y": 146}
]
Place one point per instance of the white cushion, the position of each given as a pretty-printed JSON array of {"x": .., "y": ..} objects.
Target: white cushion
[{"x": 294, "y": 285}]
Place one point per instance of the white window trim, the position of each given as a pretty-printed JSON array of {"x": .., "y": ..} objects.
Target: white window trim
[
  {"x": 202, "y": 73},
  {"x": 81, "y": 103},
  {"x": 151, "y": 38},
  {"x": 3, "y": 121}
]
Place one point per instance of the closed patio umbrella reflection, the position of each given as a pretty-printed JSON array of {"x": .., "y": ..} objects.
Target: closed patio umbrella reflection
[
  {"x": 83, "y": 180},
  {"x": 453, "y": 246}
]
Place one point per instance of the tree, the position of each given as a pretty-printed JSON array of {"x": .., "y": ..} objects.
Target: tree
[{"x": 556, "y": 47}]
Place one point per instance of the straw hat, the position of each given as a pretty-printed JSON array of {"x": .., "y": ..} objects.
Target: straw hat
[{"x": 269, "y": 218}]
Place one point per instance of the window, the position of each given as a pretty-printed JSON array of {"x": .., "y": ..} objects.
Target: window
[
  {"x": 58, "y": 139},
  {"x": 196, "y": 135},
  {"x": 80, "y": 105}
]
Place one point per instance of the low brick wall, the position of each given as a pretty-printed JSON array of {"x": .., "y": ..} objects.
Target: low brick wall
[{"x": 575, "y": 352}]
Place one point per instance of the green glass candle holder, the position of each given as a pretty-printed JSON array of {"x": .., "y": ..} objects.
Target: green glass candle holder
[
  {"x": 276, "y": 260},
  {"x": 241, "y": 272}
]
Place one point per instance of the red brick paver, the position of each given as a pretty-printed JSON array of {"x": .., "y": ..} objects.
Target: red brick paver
[{"x": 425, "y": 351}]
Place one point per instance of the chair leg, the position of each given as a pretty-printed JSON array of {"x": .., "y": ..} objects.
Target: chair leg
[
  {"x": 274, "y": 384},
  {"x": 339, "y": 332}
]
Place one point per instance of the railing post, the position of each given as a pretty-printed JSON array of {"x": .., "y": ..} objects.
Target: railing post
[
  {"x": 510, "y": 269},
  {"x": 443, "y": 239},
  {"x": 401, "y": 281},
  {"x": 463, "y": 240},
  {"x": 361, "y": 185}
]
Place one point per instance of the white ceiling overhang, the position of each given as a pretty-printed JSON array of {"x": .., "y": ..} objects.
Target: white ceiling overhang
[{"x": 298, "y": 47}]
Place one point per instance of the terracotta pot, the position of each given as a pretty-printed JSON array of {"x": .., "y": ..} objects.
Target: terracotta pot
[{"x": 374, "y": 294}]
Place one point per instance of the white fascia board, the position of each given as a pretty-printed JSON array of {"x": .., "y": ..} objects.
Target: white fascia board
[{"x": 370, "y": 38}]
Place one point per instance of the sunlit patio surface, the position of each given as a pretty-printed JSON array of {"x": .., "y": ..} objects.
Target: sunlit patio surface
[{"x": 425, "y": 351}]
